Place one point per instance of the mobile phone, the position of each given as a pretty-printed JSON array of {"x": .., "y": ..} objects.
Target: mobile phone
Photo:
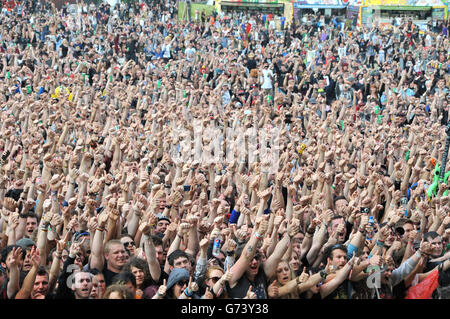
[
  {"x": 5, "y": 155},
  {"x": 404, "y": 200},
  {"x": 187, "y": 188}
]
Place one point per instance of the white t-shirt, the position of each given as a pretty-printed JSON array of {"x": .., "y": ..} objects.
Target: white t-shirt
[
  {"x": 190, "y": 53},
  {"x": 267, "y": 81},
  {"x": 166, "y": 49}
]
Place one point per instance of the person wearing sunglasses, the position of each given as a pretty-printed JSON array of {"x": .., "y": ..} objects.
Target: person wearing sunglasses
[
  {"x": 129, "y": 244},
  {"x": 176, "y": 287},
  {"x": 215, "y": 280}
]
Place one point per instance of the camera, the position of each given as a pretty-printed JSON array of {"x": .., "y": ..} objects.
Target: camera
[{"x": 364, "y": 210}]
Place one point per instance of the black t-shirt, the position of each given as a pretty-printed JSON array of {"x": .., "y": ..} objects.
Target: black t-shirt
[
  {"x": 109, "y": 275},
  {"x": 259, "y": 286},
  {"x": 341, "y": 292}
]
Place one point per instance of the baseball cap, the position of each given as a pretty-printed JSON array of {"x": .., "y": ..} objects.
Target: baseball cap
[
  {"x": 25, "y": 243},
  {"x": 162, "y": 217},
  {"x": 176, "y": 275}
]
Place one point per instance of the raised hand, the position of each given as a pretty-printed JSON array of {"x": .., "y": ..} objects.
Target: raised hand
[
  {"x": 250, "y": 294},
  {"x": 273, "y": 290},
  {"x": 75, "y": 248},
  {"x": 35, "y": 257},
  {"x": 192, "y": 286},
  {"x": 304, "y": 276},
  {"x": 162, "y": 289},
  {"x": 15, "y": 256}
]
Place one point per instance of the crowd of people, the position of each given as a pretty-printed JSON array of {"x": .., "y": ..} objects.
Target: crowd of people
[{"x": 143, "y": 157}]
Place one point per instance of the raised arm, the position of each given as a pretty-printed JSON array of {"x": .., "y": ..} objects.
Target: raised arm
[
  {"x": 248, "y": 253},
  {"x": 97, "y": 260},
  {"x": 14, "y": 272},
  {"x": 150, "y": 252},
  {"x": 28, "y": 282}
]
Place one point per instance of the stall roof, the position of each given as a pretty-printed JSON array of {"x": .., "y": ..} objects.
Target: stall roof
[
  {"x": 251, "y": 4},
  {"x": 403, "y": 3},
  {"x": 327, "y": 6},
  {"x": 309, "y": 4},
  {"x": 410, "y": 8}
]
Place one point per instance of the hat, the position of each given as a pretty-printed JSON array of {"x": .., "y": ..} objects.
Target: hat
[
  {"x": 162, "y": 217},
  {"x": 78, "y": 235},
  {"x": 25, "y": 243},
  {"x": 176, "y": 275},
  {"x": 251, "y": 55}
]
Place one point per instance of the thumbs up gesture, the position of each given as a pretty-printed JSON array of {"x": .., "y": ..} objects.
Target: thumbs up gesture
[
  {"x": 273, "y": 290},
  {"x": 250, "y": 294},
  {"x": 161, "y": 290},
  {"x": 304, "y": 276}
]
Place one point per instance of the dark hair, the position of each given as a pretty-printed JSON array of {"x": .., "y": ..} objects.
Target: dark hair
[
  {"x": 338, "y": 198},
  {"x": 175, "y": 255},
  {"x": 42, "y": 272},
  {"x": 157, "y": 241},
  {"x": 124, "y": 277},
  {"x": 95, "y": 272},
  {"x": 329, "y": 250},
  {"x": 31, "y": 214},
  {"x": 142, "y": 265},
  {"x": 407, "y": 221},
  {"x": 430, "y": 235},
  {"x": 123, "y": 290},
  {"x": 337, "y": 217},
  {"x": 5, "y": 252}
]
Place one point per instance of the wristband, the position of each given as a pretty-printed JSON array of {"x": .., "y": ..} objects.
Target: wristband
[
  {"x": 230, "y": 253},
  {"x": 44, "y": 228},
  {"x": 188, "y": 293},
  {"x": 323, "y": 274},
  {"x": 380, "y": 243},
  {"x": 168, "y": 206},
  {"x": 418, "y": 253},
  {"x": 100, "y": 229},
  {"x": 258, "y": 235}
]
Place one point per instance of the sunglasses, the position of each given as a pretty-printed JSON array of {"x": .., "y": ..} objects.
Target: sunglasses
[
  {"x": 257, "y": 257},
  {"x": 132, "y": 243},
  {"x": 214, "y": 279},
  {"x": 181, "y": 283}
]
